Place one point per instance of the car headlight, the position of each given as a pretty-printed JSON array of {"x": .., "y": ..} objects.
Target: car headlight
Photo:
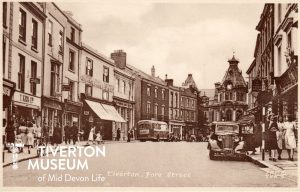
[
  {"x": 220, "y": 138},
  {"x": 236, "y": 139}
]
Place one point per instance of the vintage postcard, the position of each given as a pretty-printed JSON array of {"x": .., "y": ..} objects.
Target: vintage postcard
[{"x": 149, "y": 95}]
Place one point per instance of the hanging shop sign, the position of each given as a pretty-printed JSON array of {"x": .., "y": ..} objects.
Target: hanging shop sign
[
  {"x": 66, "y": 87},
  {"x": 256, "y": 85}
]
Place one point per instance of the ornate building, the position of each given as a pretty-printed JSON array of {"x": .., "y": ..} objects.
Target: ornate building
[{"x": 230, "y": 95}]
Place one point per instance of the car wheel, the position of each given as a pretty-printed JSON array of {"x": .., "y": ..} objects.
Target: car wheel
[{"x": 212, "y": 155}]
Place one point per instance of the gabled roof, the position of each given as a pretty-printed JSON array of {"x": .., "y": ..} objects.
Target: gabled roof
[
  {"x": 146, "y": 76},
  {"x": 210, "y": 93}
]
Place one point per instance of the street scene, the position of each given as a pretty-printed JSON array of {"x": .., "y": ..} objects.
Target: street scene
[{"x": 150, "y": 94}]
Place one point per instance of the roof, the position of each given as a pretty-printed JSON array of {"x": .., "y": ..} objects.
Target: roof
[
  {"x": 210, "y": 93},
  {"x": 190, "y": 82},
  {"x": 234, "y": 74},
  {"x": 146, "y": 76},
  {"x": 97, "y": 53}
]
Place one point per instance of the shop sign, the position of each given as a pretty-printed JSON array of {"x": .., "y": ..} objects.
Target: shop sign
[
  {"x": 6, "y": 91},
  {"x": 51, "y": 104},
  {"x": 96, "y": 83},
  {"x": 256, "y": 85},
  {"x": 28, "y": 99}
]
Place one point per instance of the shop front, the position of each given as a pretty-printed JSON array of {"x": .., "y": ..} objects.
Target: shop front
[
  {"x": 102, "y": 115},
  {"x": 52, "y": 112},
  {"x": 72, "y": 111},
  {"x": 8, "y": 92},
  {"x": 26, "y": 108},
  {"x": 175, "y": 127},
  {"x": 125, "y": 109}
]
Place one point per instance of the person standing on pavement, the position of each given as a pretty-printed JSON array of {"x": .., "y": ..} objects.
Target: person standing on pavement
[
  {"x": 289, "y": 137},
  {"x": 30, "y": 137},
  {"x": 118, "y": 134},
  {"x": 10, "y": 133},
  {"x": 279, "y": 135},
  {"x": 56, "y": 135},
  {"x": 74, "y": 133},
  {"x": 91, "y": 135},
  {"x": 128, "y": 135},
  {"x": 67, "y": 133},
  {"x": 272, "y": 139}
]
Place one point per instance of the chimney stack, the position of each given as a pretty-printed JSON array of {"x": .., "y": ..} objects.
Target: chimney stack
[
  {"x": 119, "y": 56},
  {"x": 153, "y": 71}
]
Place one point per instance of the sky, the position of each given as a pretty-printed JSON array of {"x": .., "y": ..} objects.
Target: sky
[{"x": 177, "y": 38}]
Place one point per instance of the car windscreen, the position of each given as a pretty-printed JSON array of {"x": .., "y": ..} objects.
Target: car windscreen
[{"x": 227, "y": 128}]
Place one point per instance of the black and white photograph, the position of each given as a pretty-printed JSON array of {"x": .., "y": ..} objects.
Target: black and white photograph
[{"x": 149, "y": 95}]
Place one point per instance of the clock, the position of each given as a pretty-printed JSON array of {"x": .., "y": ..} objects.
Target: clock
[{"x": 229, "y": 86}]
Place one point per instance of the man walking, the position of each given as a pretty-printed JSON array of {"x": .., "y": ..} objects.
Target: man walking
[
  {"x": 74, "y": 133},
  {"x": 67, "y": 133}
]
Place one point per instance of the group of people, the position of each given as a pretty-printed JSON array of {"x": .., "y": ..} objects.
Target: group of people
[
  {"x": 24, "y": 132},
  {"x": 129, "y": 135},
  {"x": 95, "y": 136},
  {"x": 71, "y": 133},
  {"x": 280, "y": 135}
]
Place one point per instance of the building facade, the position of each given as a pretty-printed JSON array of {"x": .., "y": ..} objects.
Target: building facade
[
  {"x": 70, "y": 86},
  {"x": 123, "y": 93},
  {"x": 96, "y": 88},
  {"x": 22, "y": 61},
  {"x": 230, "y": 101},
  {"x": 176, "y": 123},
  {"x": 285, "y": 93}
]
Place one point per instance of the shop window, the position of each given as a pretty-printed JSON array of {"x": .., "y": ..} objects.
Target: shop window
[
  {"x": 71, "y": 61},
  {"x": 88, "y": 90},
  {"x": 22, "y": 25},
  {"x": 89, "y": 67},
  {"x": 106, "y": 74},
  {"x": 34, "y": 40},
  {"x": 21, "y": 74},
  {"x": 33, "y": 77}
]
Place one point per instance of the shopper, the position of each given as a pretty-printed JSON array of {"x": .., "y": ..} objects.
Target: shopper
[
  {"x": 272, "y": 140},
  {"x": 289, "y": 136},
  {"x": 279, "y": 135}
]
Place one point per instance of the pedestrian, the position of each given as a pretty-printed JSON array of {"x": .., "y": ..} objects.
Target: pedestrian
[
  {"x": 45, "y": 133},
  {"x": 74, "y": 133},
  {"x": 279, "y": 135},
  {"x": 289, "y": 137},
  {"x": 118, "y": 134},
  {"x": 98, "y": 138},
  {"x": 10, "y": 133},
  {"x": 22, "y": 131},
  {"x": 128, "y": 135},
  {"x": 67, "y": 133},
  {"x": 91, "y": 135},
  {"x": 272, "y": 139},
  {"x": 37, "y": 134},
  {"x": 257, "y": 134},
  {"x": 56, "y": 139},
  {"x": 30, "y": 136}
]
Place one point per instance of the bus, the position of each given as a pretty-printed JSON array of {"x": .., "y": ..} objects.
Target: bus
[{"x": 150, "y": 130}]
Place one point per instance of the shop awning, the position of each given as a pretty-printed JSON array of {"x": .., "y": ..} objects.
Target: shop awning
[{"x": 106, "y": 112}]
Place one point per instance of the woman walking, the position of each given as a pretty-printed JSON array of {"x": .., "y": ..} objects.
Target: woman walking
[
  {"x": 91, "y": 135},
  {"x": 290, "y": 139},
  {"x": 30, "y": 137},
  {"x": 23, "y": 135},
  {"x": 272, "y": 140},
  {"x": 279, "y": 135}
]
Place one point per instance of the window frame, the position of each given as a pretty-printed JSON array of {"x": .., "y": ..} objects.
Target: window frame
[
  {"x": 105, "y": 77},
  {"x": 71, "y": 66},
  {"x": 22, "y": 25},
  {"x": 21, "y": 73},
  {"x": 50, "y": 33},
  {"x": 34, "y": 37},
  {"x": 33, "y": 74},
  {"x": 86, "y": 91},
  {"x": 89, "y": 71}
]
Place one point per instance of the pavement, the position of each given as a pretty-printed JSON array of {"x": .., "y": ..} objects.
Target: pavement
[
  {"x": 279, "y": 168},
  {"x": 8, "y": 157}
]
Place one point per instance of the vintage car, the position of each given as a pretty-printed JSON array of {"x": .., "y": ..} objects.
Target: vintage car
[{"x": 226, "y": 140}]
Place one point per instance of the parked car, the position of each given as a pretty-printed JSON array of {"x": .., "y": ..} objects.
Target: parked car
[{"x": 226, "y": 141}]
